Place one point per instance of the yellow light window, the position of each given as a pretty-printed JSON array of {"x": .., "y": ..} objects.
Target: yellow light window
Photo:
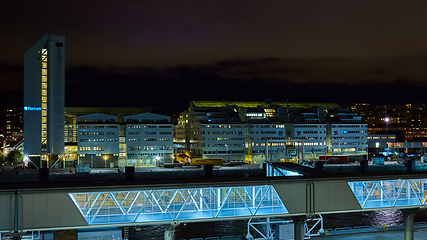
[
  {"x": 44, "y": 99},
  {"x": 44, "y": 64},
  {"x": 44, "y": 79},
  {"x": 44, "y": 119},
  {"x": 44, "y": 72},
  {"x": 44, "y": 113}
]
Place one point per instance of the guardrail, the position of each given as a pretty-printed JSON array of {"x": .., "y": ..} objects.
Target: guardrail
[
  {"x": 378, "y": 228},
  {"x": 240, "y": 237}
]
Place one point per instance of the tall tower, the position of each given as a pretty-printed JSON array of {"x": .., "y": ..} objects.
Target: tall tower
[{"x": 44, "y": 90}]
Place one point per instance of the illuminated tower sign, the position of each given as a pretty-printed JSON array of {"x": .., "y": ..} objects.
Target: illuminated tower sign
[{"x": 44, "y": 65}]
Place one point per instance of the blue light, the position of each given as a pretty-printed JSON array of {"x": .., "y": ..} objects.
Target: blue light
[{"x": 32, "y": 108}]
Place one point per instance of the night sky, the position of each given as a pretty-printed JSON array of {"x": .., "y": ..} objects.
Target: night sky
[{"x": 167, "y": 53}]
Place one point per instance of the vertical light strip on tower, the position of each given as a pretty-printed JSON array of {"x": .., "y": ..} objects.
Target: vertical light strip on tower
[{"x": 44, "y": 96}]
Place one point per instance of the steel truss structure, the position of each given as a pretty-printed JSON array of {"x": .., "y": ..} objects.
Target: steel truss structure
[
  {"x": 206, "y": 204},
  {"x": 266, "y": 228},
  {"x": 201, "y": 204},
  {"x": 390, "y": 193}
]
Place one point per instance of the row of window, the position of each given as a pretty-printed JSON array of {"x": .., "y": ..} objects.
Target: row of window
[
  {"x": 149, "y": 148},
  {"x": 149, "y": 126},
  {"x": 222, "y": 126},
  {"x": 150, "y": 133},
  {"x": 309, "y": 126},
  {"x": 99, "y": 140},
  {"x": 144, "y": 154},
  {"x": 97, "y": 133},
  {"x": 149, "y": 139},
  {"x": 89, "y": 148},
  {"x": 97, "y": 126},
  {"x": 224, "y": 152}
]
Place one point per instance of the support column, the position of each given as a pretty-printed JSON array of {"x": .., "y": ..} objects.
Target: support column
[
  {"x": 408, "y": 216},
  {"x": 169, "y": 232},
  {"x": 299, "y": 222}
]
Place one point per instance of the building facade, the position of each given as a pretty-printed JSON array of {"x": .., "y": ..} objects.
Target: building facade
[
  {"x": 98, "y": 140},
  {"x": 143, "y": 140},
  {"x": 253, "y": 131},
  {"x": 44, "y": 65},
  {"x": 149, "y": 139}
]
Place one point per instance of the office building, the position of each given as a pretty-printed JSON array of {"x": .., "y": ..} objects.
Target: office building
[
  {"x": 149, "y": 139},
  {"x": 98, "y": 140},
  {"x": 237, "y": 131},
  {"x": 44, "y": 65}
]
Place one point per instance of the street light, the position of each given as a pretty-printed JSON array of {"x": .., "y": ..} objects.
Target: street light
[
  {"x": 386, "y": 124},
  {"x": 105, "y": 161}
]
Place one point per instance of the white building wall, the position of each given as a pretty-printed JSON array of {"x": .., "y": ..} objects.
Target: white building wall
[
  {"x": 314, "y": 136},
  {"x": 260, "y": 133},
  {"x": 349, "y": 138},
  {"x": 149, "y": 139},
  {"x": 98, "y": 135},
  {"x": 226, "y": 141}
]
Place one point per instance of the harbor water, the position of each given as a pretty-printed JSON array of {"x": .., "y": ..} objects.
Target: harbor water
[{"x": 239, "y": 227}]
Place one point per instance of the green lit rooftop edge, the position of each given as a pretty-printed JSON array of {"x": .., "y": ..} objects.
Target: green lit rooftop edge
[{"x": 220, "y": 104}]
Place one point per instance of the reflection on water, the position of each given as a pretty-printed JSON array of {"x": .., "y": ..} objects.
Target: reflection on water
[
  {"x": 389, "y": 217},
  {"x": 239, "y": 227},
  {"x": 192, "y": 230}
]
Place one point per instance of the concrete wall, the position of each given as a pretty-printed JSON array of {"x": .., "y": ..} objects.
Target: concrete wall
[{"x": 40, "y": 211}]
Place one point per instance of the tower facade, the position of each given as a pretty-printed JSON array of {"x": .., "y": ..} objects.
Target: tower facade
[{"x": 44, "y": 90}]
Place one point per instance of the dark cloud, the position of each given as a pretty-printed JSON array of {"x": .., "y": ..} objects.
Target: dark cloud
[
  {"x": 164, "y": 33},
  {"x": 150, "y": 52},
  {"x": 171, "y": 89}
]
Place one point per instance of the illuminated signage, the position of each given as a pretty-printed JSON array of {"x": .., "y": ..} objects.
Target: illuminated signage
[{"x": 32, "y": 108}]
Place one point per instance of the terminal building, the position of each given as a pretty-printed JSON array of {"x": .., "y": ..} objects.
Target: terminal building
[
  {"x": 237, "y": 131},
  {"x": 44, "y": 65}
]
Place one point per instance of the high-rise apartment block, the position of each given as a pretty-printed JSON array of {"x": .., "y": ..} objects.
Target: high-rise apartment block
[{"x": 44, "y": 91}]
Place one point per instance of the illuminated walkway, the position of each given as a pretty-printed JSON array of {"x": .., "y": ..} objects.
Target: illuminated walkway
[
  {"x": 206, "y": 204},
  {"x": 390, "y": 193},
  {"x": 178, "y": 204}
]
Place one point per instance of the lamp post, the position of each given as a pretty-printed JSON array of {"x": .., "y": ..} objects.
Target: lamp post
[
  {"x": 226, "y": 151},
  {"x": 386, "y": 124},
  {"x": 105, "y": 161}
]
